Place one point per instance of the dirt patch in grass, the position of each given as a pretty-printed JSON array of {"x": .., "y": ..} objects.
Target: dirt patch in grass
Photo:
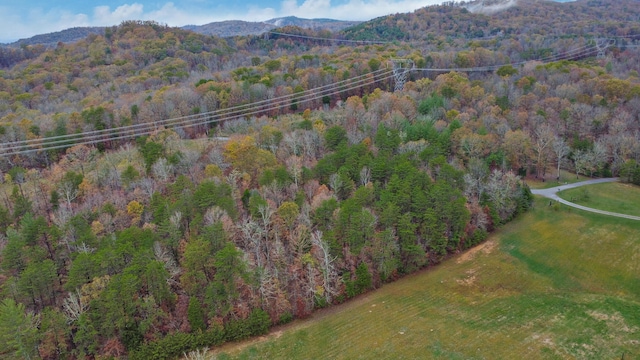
[
  {"x": 485, "y": 248},
  {"x": 469, "y": 280}
]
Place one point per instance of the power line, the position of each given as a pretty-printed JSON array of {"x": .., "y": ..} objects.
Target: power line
[
  {"x": 235, "y": 110},
  {"x": 129, "y": 133},
  {"x": 184, "y": 122},
  {"x": 330, "y": 39},
  {"x": 569, "y": 55}
]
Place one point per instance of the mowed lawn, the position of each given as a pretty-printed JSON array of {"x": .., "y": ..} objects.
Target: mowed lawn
[
  {"x": 551, "y": 181},
  {"x": 554, "y": 284},
  {"x": 616, "y": 197}
]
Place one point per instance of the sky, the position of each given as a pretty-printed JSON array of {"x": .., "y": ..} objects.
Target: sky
[{"x": 25, "y": 18}]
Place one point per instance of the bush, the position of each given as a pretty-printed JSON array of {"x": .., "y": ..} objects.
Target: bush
[{"x": 174, "y": 345}]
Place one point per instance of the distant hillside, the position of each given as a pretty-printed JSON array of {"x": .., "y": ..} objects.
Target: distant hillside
[
  {"x": 486, "y": 18},
  {"x": 65, "y": 36},
  {"x": 231, "y": 28},
  {"x": 316, "y": 24},
  {"x": 244, "y": 28},
  {"x": 222, "y": 29}
]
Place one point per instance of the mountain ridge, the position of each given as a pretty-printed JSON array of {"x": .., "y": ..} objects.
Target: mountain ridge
[{"x": 226, "y": 28}]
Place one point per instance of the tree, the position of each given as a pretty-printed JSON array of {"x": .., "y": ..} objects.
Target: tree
[
  {"x": 561, "y": 150},
  {"x": 70, "y": 186},
  {"x": 18, "y": 331},
  {"x": 14, "y": 259},
  {"x": 36, "y": 283},
  {"x": 117, "y": 308},
  {"x": 385, "y": 251},
  {"x": 245, "y": 156},
  {"x": 198, "y": 268},
  {"x": 543, "y": 141},
  {"x": 334, "y": 136},
  {"x": 329, "y": 274},
  {"x": 289, "y": 211},
  {"x": 196, "y": 315},
  {"x": 506, "y": 71},
  {"x": 155, "y": 279},
  {"x": 517, "y": 146},
  {"x": 21, "y": 204},
  {"x": 55, "y": 331},
  {"x": 74, "y": 306},
  {"x": 580, "y": 161},
  {"x": 229, "y": 267}
]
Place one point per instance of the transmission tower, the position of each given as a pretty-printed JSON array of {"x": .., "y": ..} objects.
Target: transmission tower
[
  {"x": 401, "y": 68},
  {"x": 602, "y": 45}
]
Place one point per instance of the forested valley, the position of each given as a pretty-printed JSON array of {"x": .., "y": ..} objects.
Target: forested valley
[{"x": 163, "y": 191}]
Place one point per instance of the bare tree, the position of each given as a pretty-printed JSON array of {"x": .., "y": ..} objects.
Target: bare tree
[
  {"x": 251, "y": 234},
  {"x": 163, "y": 255},
  {"x": 162, "y": 169},
  {"x": 148, "y": 185},
  {"x": 69, "y": 191},
  {"x": 199, "y": 354},
  {"x": 543, "y": 140},
  {"x": 73, "y": 306},
  {"x": 329, "y": 274},
  {"x": 561, "y": 150},
  {"x": 365, "y": 175},
  {"x": 596, "y": 157},
  {"x": 580, "y": 160},
  {"x": 475, "y": 178},
  {"x": 294, "y": 164},
  {"x": 335, "y": 182}
]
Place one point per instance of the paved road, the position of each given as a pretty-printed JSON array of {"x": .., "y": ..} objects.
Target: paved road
[{"x": 552, "y": 193}]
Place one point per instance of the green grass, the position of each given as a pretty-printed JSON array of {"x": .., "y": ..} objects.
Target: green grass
[
  {"x": 615, "y": 197},
  {"x": 566, "y": 177},
  {"x": 550, "y": 285}
]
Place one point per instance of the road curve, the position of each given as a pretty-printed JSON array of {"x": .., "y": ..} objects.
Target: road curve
[{"x": 552, "y": 193}]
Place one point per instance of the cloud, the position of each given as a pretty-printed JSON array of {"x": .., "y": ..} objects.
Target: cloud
[
  {"x": 16, "y": 25},
  {"x": 36, "y": 21},
  {"x": 351, "y": 10},
  {"x": 103, "y": 16}
]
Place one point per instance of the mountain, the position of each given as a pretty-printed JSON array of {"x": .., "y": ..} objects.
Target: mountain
[
  {"x": 65, "y": 36},
  {"x": 480, "y": 19},
  {"x": 316, "y": 24},
  {"x": 231, "y": 28},
  {"x": 490, "y": 7},
  {"x": 243, "y": 28},
  {"x": 228, "y": 28}
]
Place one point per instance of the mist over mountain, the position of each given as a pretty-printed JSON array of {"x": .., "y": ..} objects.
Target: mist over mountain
[{"x": 243, "y": 28}]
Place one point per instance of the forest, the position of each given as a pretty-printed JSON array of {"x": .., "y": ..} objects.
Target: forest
[{"x": 163, "y": 191}]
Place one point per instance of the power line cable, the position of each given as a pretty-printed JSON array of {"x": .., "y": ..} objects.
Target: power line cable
[
  {"x": 127, "y": 134},
  {"x": 238, "y": 109},
  {"x": 348, "y": 41}
]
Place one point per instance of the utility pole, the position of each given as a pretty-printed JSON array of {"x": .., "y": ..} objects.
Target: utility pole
[{"x": 401, "y": 68}]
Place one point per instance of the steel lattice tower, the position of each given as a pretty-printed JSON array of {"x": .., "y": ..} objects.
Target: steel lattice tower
[
  {"x": 602, "y": 45},
  {"x": 401, "y": 68}
]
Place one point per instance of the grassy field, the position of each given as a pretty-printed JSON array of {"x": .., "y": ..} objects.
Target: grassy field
[
  {"x": 550, "y": 285},
  {"x": 566, "y": 177},
  {"x": 616, "y": 197}
]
